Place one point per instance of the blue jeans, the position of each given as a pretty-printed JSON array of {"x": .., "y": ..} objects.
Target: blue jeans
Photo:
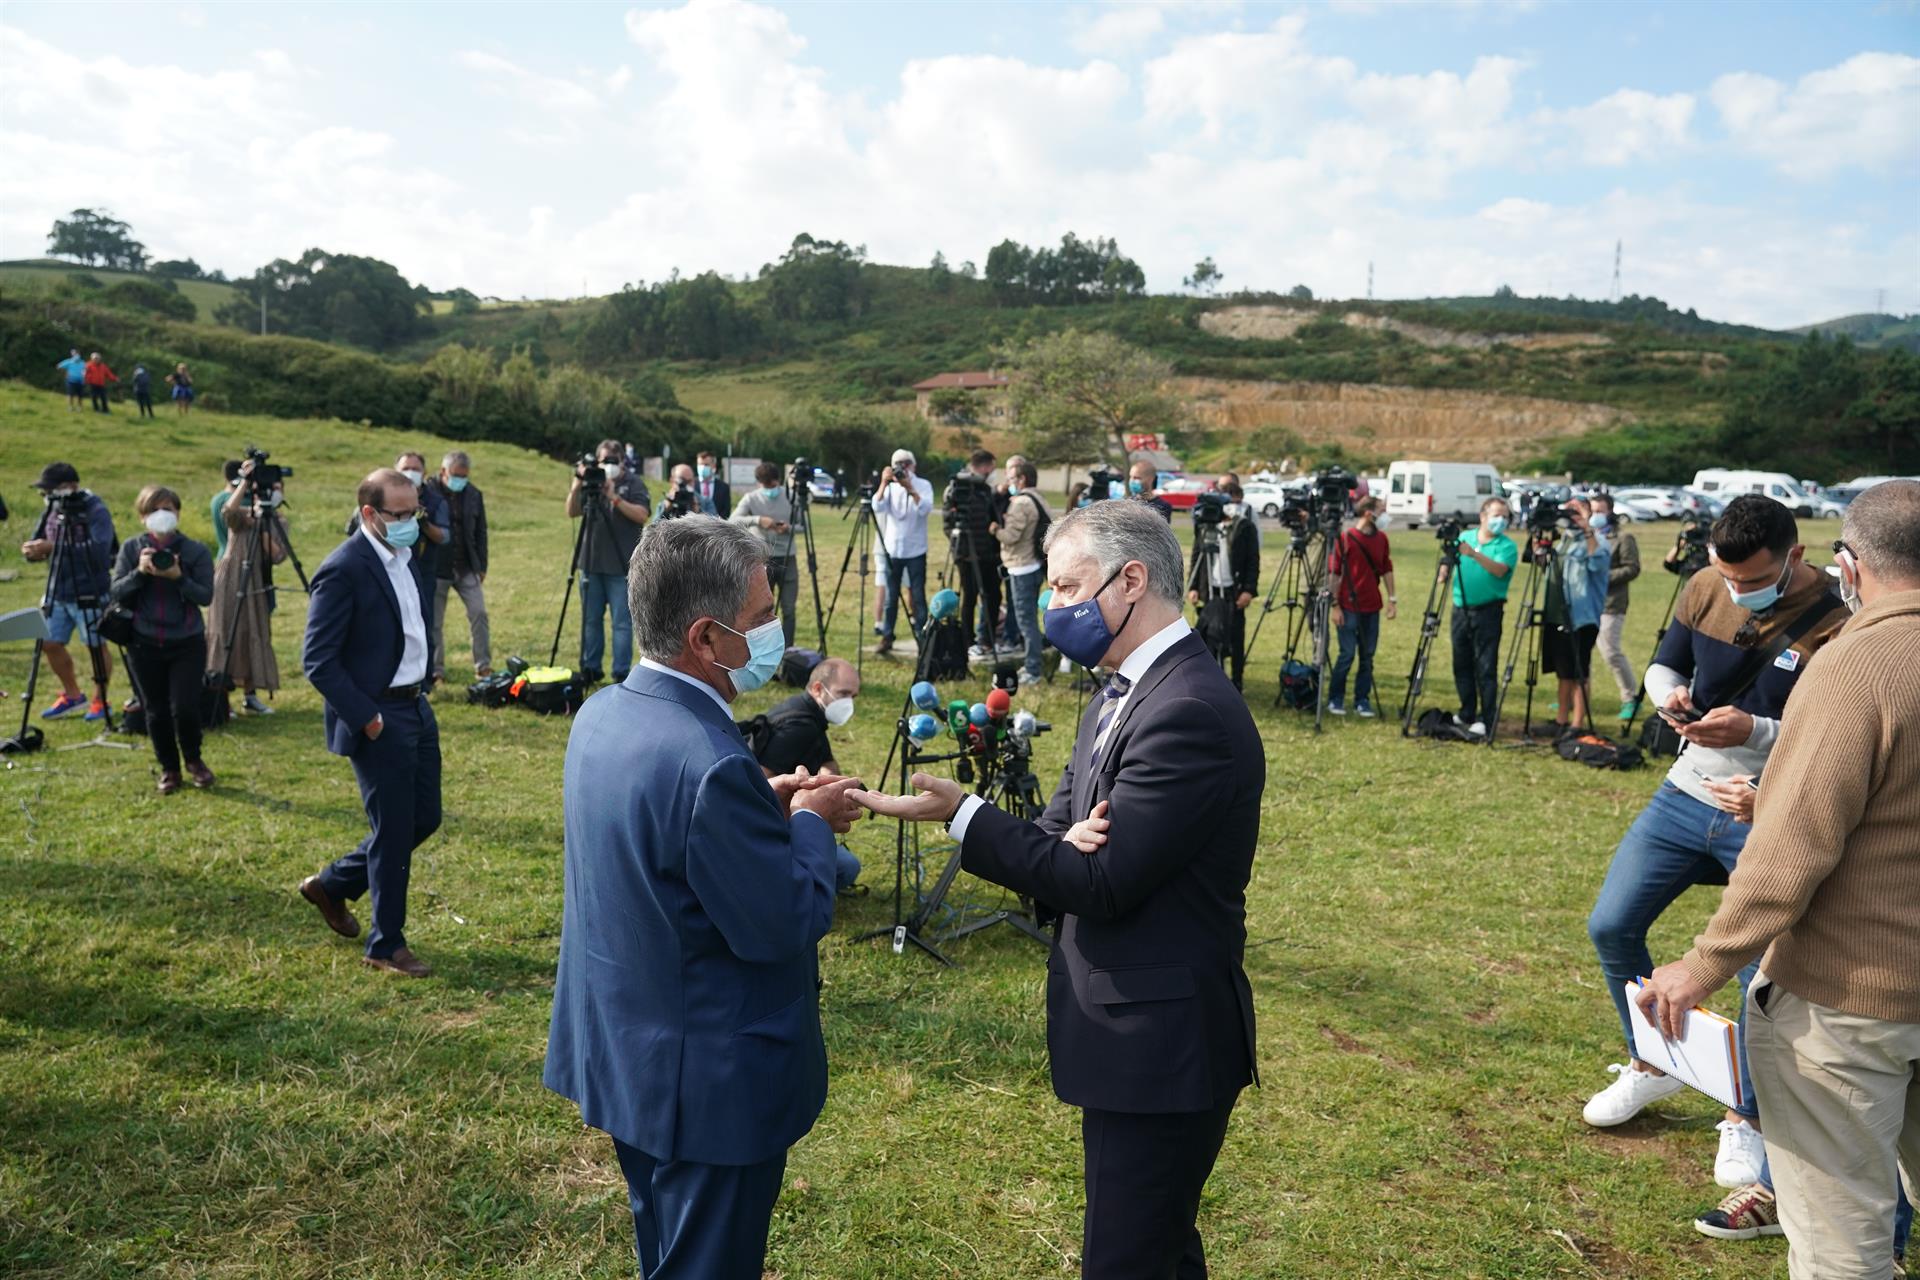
[
  {"x": 1675, "y": 843},
  {"x": 1026, "y": 614},
  {"x": 1358, "y": 632},
  {"x": 600, "y": 592},
  {"x": 912, "y": 570},
  {"x": 846, "y": 868}
]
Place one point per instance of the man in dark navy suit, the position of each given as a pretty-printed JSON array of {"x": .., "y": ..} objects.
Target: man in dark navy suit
[
  {"x": 366, "y": 653},
  {"x": 1146, "y": 848},
  {"x": 686, "y": 1016}
]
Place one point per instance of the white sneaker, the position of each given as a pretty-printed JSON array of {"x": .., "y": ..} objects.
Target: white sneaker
[
  {"x": 1027, "y": 678},
  {"x": 1742, "y": 1150},
  {"x": 980, "y": 653},
  {"x": 1627, "y": 1096},
  {"x": 1478, "y": 728},
  {"x": 1066, "y": 666}
]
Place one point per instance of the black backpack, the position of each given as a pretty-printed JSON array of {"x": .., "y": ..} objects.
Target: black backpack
[
  {"x": 796, "y": 665},
  {"x": 1657, "y": 737},
  {"x": 946, "y": 642},
  {"x": 1597, "y": 752},
  {"x": 1299, "y": 685},
  {"x": 1438, "y": 725}
]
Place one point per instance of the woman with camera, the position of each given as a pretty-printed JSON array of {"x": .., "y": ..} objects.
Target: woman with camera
[
  {"x": 240, "y": 620},
  {"x": 164, "y": 579}
]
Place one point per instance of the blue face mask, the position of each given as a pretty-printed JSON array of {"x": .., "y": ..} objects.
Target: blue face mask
[
  {"x": 1766, "y": 597},
  {"x": 706, "y": 472},
  {"x": 457, "y": 484},
  {"x": 1599, "y": 521},
  {"x": 1135, "y": 487},
  {"x": 770, "y": 494},
  {"x": 402, "y": 534},
  {"x": 1080, "y": 631},
  {"x": 1497, "y": 525},
  {"x": 766, "y": 645}
]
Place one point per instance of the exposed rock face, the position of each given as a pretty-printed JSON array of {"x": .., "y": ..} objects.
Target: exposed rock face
[
  {"x": 1404, "y": 422},
  {"x": 1276, "y": 323}
]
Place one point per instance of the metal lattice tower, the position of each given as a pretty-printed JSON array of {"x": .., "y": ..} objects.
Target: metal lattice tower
[
  {"x": 1369, "y": 281},
  {"x": 1615, "y": 295}
]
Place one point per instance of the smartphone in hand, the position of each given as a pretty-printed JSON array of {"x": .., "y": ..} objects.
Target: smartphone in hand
[{"x": 1683, "y": 715}]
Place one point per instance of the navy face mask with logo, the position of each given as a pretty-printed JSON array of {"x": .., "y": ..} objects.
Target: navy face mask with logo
[{"x": 1080, "y": 631}]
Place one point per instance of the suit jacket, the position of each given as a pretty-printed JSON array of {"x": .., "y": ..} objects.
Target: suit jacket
[
  {"x": 686, "y": 1014},
  {"x": 1148, "y": 1006},
  {"x": 722, "y": 498},
  {"x": 1240, "y": 544},
  {"x": 354, "y": 639}
]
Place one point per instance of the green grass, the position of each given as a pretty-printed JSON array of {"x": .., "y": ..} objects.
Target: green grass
[
  {"x": 200, "y": 1080},
  {"x": 46, "y": 275}
]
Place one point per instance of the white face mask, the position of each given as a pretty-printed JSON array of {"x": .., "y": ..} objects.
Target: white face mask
[
  {"x": 613, "y": 470},
  {"x": 1382, "y": 521},
  {"x": 839, "y": 711},
  {"x": 162, "y": 522},
  {"x": 413, "y": 475}
]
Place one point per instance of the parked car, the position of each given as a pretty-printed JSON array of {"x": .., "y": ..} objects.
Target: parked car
[
  {"x": 1650, "y": 503},
  {"x": 1179, "y": 492},
  {"x": 1778, "y": 485},
  {"x": 1264, "y": 499},
  {"x": 1432, "y": 491}
]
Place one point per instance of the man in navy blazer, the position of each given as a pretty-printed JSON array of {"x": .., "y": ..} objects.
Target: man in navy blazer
[
  {"x": 366, "y": 653},
  {"x": 1146, "y": 849},
  {"x": 686, "y": 1017}
]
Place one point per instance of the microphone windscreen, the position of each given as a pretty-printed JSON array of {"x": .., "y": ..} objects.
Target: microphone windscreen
[
  {"x": 945, "y": 603},
  {"x": 926, "y": 697},
  {"x": 999, "y": 702},
  {"x": 977, "y": 713},
  {"x": 923, "y": 729}
]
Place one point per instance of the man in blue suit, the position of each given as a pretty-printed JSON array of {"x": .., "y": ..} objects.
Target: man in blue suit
[
  {"x": 686, "y": 1017},
  {"x": 366, "y": 653},
  {"x": 1146, "y": 849}
]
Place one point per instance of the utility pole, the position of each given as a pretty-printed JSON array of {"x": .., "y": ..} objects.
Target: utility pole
[
  {"x": 1615, "y": 297},
  {"x": 263, "y": 308},
  {"x": 1369, "y": 281}
]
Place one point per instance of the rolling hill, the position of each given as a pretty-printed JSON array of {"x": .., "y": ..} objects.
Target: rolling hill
[{"x": 45, "y": 275}]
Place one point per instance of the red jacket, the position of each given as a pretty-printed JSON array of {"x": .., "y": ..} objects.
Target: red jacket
[{"x": 98, "y": 375}]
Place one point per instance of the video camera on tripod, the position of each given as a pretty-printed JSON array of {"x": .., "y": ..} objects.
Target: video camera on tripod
[
  {"x": 1103, "y": 483},
  {"x": 593, "y": 476},
  {"x": 265, "y": 476},
  {"x": 1690, "y": 548},
  {"x": 1447, "y": 533}
]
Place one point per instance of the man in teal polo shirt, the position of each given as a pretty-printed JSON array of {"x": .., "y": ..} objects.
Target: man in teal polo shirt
[{"x": 1487, "y": 558}]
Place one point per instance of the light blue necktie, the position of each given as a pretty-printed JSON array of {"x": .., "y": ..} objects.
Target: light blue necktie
[{"x": 1117, "y": 687}]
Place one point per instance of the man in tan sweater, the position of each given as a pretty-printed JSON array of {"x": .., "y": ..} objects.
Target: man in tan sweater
[{"x": 1829, "y": 884}]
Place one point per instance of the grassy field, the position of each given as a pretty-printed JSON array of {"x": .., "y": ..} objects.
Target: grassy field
[
  {"x": 200, "y": 1080},
  {"x": 40, "y": 277}
]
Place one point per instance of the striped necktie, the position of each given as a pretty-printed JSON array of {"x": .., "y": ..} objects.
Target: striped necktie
[{"x": 1117, "y": 689}]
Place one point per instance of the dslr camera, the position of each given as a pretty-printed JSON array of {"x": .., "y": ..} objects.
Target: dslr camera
[
  {"x": 682, "y": 501},
  {"x": 162, "y": 558}
]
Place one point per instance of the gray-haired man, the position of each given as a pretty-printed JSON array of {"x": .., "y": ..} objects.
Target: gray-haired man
[{"x": 462, "y": 563}]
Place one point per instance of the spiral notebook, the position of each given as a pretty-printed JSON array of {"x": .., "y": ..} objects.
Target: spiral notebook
[{"x": 1706, "y": 1058}]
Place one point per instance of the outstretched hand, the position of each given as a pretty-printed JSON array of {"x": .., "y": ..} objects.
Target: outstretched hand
[
  {"x": 938, "y": 801},
  {"x": 1088, "y": 834}
]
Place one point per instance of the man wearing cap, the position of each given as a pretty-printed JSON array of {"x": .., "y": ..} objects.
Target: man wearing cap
[
  {"x": 901, "y": 504},
  {"x": 87, "y": 545}
]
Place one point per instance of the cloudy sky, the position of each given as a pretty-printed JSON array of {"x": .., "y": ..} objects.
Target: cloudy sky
[{"x": 1761, "y": 162}]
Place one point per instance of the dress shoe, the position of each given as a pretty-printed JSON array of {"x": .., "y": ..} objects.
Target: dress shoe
[
  {"x": 169, "y": 782},
  {"x": 335, "y": 913},
  {"x": 402, "y": 962},
  {"x": 201, "y": 775}
]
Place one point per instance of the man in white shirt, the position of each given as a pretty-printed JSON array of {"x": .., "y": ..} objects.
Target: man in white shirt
[
  {"x": 366, "y": 653},
  {"x": 901, "y": 504}
]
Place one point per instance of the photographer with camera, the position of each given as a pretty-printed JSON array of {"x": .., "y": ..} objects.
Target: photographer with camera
[
  {"x": 1480, "y": 584},
  {"x": 240, "y": 618},
  {"x": 76, "y": 528},
  {"x": 164, "y": 579},
  {"x": 1622, "y": 568},
  {"x": 716, "y": 495},
  {"x": 1741, "y": 638},
  {"x": 1224, "y": 576},
  {"x": 1360, "y": 564},
  {"x": 1576, "y": 594},
  {"x": 767, "y": 514},
  {"x": 970, "y": 512},
  {"x": 902, "y": 501},
  {"x": 614, "y": 504},
  {"x": 1022, "y": 535}
]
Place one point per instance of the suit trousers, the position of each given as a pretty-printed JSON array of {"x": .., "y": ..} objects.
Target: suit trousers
[
  {"x": 700, "y": 1221},
  {"x": 399, "y": 777},
  {"x": 979, "y": 594},
  {"x": 1144, "y": 1174},
  {"x": 474, "y": 598}
]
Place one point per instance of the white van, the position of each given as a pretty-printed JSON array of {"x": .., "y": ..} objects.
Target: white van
[
  {"x": 1428, "y": 492},
  {"x": 1727, "y": 485}
]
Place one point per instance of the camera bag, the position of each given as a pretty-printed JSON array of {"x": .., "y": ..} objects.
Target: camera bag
[
  {"x": 1299, "y": 685},
  {"x": 550, "y": 691},
  {"x": 947, "y": 641},
  {"x": 796, "y": 665},
  {"x": 1597, "y": 752}
]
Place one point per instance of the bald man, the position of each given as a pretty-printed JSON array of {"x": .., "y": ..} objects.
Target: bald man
[{"x": 797, "y": 738}]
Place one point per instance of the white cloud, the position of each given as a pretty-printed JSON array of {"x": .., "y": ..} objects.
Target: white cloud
[
  {"x": 1626, "y": 125},
  {"x": 543, "y": 93},
  {"x": 1865, "y": 112},
  {"x": 1120, "y": 29},
  {"x": 619, "y": 79}
]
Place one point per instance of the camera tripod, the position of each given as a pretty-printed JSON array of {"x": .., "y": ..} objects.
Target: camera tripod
[
  {"x": 1526, "y": 635},
  {"x": 1439, "y": 597},
  {"x": 1011, "y": 787},
  {"x": 972, "y": 575},
  {"x": 1683, "y": 568},
  {"x": 593, "y": 506},
  {"x": 799, "y": 502},
  {"x": 865, "y": 529},
  {"x": 1303, "y": 577},
  {"x": 256, "y": 559},
  {"x": 71, "y": 546}
]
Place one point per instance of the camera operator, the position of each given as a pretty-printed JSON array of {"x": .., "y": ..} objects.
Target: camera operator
[
  {"x": 1576, "y": 594},
  {"x": 901, "y": 504},
  {"x": 970, "y": 512},
  {"x": 1622, "y": 569},
  {"x": 1360, "y": 564},
  {"x": 79, "y": 523},
  {"x": 767, "y": 514},
  {"x": 165, "y": 578},
  {"x": 716, "y": 495},
  {"x": 1022, "y": 534},
  {"x": 1740, "y": 640},
  {"x": 616, "y": 510},
  {"x": 1233, "y": 573},
  {"x": 1142, "y": 479},
  {"x": 462, "y": 562},
  {"x": 797, "y": 738},
  {"x": 1480, "y": 585},
  {"x": 243, "y": 601}
]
